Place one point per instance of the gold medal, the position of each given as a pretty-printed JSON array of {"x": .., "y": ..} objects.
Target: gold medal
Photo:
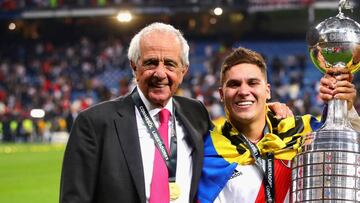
[{"x": 174, "y": 191}]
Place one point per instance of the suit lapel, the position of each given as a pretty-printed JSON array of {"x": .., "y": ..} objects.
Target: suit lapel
[
  {"x": 130, "y": 144},
  {"x": 195, "y": 140}
]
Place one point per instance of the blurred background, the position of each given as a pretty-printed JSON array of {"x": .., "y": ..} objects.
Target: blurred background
[{"x": 58, "y": 57}]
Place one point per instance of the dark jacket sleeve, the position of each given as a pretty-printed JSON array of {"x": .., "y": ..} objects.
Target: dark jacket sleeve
[{"x": 79, "y": 172}]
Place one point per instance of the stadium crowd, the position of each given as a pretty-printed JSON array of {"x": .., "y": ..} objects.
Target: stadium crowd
[
  {"x": 65, "y": 79},
  {"x": 13, "y": 5}
]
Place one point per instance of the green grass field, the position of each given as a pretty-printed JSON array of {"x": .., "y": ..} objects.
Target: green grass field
[{"x": 30, "y": 173}]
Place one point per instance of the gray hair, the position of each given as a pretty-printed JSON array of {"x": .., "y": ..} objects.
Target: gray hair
[{"x": 134, "y": 47}]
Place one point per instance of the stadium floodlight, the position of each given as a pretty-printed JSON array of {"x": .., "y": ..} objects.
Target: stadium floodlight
[
  {"x": 218, "y": 11},
  {"x": 37, "y": 113},
  {"x": 124, "y": 16},
  {"x": 12, "y": 26},
  {"x": 213, "y": 21}
]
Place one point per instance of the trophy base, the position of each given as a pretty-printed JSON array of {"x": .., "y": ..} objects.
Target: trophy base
[{"x": 328, "y": 169}]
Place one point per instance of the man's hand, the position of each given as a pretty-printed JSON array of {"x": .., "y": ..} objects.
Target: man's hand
[
  {"x": 281, "y": 110},
  {"x": 336, "y": 84}
]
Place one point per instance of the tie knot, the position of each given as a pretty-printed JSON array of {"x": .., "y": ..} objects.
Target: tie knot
[{"x": 164, "y": 116}]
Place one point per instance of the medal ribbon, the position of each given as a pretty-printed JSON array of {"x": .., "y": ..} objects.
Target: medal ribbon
[{"x": 170, "y": 160}]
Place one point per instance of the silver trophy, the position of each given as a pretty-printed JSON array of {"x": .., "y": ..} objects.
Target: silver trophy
[{"x": 328, "y": 167}]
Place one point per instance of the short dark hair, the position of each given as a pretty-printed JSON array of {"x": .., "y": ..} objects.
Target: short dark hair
[{"x": 239, "y": 56}]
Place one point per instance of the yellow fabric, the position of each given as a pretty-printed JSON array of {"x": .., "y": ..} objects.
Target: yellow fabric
[
  {"x": 269, "y": 143},
  {"x": 219, "y": 121},
  {"x": 352, "y": 67}
]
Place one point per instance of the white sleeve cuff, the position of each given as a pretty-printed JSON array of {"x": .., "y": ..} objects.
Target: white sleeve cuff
[{"x": 354, "y": 119}]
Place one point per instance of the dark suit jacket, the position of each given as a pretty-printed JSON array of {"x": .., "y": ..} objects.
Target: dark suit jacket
[{"x": 102, "y": 161}]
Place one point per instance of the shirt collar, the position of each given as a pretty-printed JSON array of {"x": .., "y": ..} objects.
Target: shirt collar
[{"x": 151, "y": 108}]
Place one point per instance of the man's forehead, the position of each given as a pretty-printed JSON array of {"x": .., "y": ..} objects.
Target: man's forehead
[
  {"x": 245, "y": 70},
  {"x": 160, "y": 53},
  {"x": 159, "y": 44},
  {"x": 159, "y": 58},
  {"x": 244, "y": 73},
  {"x": 245, "y": 78}
]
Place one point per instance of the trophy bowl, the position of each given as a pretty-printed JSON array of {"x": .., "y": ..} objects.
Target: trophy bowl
[
  {"x": 335, "y": 42},
  {"x": 327, "y": 169}
]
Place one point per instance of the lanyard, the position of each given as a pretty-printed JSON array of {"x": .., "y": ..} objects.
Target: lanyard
[
  {"x": 268, "y": 172},
  {"x": 150, "y": 125}
]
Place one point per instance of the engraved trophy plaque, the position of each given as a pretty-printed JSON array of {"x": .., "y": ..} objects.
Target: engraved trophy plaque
[{"x": 328, "y": 167}]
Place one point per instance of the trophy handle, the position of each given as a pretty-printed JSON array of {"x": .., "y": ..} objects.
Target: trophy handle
[{"x": 342, "y": 4}]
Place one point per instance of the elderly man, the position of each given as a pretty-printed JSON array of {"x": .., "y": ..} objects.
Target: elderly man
[{"x": 111, "y": 155}]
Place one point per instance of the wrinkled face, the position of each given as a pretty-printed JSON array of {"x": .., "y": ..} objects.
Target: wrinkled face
[
  {"x": 159, "y": 70},
  {"x": 244, "y": 93}
]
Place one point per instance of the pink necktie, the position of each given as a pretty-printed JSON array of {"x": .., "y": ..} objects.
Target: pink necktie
[{"x": 159, "y": 191}]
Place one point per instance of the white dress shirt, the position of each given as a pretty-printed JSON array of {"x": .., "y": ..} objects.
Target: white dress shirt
[
  {"x": 147, "y": 145},
  {"x": 354, "y": 119}
]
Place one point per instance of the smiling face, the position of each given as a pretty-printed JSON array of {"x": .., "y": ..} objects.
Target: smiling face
[
  {"x": 244, "y": 92},
  {"x": 159, "y": 70}
]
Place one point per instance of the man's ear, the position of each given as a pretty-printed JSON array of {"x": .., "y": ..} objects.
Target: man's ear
[
  {"x": 221, "y": 93},
  {"x": 133, "y": 65},
  {"x": 185, "y": 70},
  {"x": 268, "y": 90}
]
